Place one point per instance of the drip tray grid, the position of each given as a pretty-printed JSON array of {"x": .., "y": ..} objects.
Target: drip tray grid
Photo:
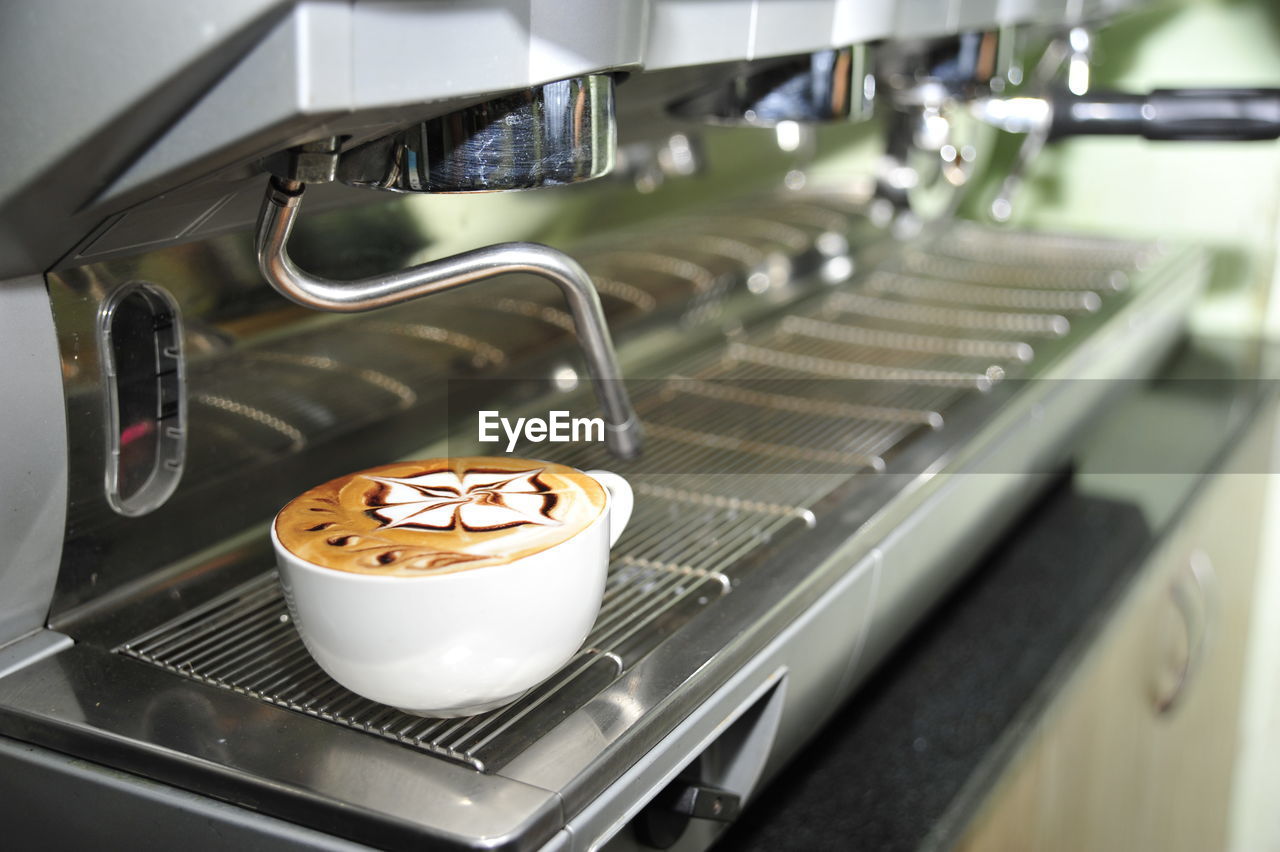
[{"x": 245, "y": 641}]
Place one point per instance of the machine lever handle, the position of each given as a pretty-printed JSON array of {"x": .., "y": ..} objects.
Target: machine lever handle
[{"x": 1225, "y": 115}]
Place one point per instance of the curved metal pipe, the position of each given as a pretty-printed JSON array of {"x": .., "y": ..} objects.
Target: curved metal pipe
[{"x": 275, "y": 221}]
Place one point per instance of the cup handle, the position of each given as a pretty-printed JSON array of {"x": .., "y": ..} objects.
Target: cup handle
[{"x": 621, "y": 501}]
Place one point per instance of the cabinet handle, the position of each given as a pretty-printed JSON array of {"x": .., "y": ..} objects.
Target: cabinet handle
[{"x": 1190, "y": 592}]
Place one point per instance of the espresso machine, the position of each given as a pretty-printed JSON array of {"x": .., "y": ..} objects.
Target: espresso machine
[{"x": 250, "y": 247}]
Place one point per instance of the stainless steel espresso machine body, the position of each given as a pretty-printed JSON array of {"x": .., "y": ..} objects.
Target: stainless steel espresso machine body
[{"x": 797, "y": 375}]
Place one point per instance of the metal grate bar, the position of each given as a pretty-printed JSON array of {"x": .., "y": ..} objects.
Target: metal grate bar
[
  {"x": 934, "y": 344},
  {"x": 521, "y": 307},
  {"x": 956, "y": 292},
  {"x": 840, "y": 369},
  {"x": 738, "y": 251},
  {"x": 733, "y": 504},
  {"x": 167, "y": 638},
  {"x": 1011, "y": 273},
  {"x": 710, "y": 440},
  {"x": 812, "y": 216},
  {"x": 988, "y": 245},
  {"x": 1041, "y": 325},
  {"x": 481, "y": 352},
  {"x": 729, "y": 392},
  {"x": 626, "y": 292},
  {"x": 794, "y": 484},
  {"x": 699, "y": 277},
  {"x": 581, "y": 684},
  {"x": 878, "y": 358},
  {"x": 750, "y": 428},
  {"x": 788, "y": 236},
  {"x": 932, "y": 398}
]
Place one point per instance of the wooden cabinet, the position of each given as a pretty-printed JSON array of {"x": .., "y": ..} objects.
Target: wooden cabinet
[{"x": 1136, "y": 750}]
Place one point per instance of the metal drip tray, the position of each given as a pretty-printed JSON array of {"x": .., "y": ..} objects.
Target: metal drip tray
[
  {"x": 677, "y": 556},
  {"x": 743, "y": 441},
  {"x": 784, "y": 456},
  {"x": 244, "y": 641}
]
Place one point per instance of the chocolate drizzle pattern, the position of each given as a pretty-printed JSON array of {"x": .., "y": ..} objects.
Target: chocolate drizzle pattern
[{"x": 478, "y": 501}]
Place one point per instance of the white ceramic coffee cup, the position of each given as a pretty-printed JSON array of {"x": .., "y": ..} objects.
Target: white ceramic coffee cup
[{"x": 459, "y": 643}]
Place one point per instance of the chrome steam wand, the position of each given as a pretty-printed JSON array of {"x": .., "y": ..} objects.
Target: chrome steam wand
[{"x": 623, "y": 433}]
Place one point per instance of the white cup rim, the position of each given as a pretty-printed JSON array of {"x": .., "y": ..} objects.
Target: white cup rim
[{"x": 358, "y": 576}]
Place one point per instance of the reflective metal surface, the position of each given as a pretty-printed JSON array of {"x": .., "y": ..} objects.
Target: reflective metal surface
[
  {"x": 1033, "y": 115},
  {"x": 833, "y": 85},
  {"x": 280, "y": 208},
  {"x": 766, "y": 482},
  {"x": 933, "y": 144},
  {"x": 281, "y": 397},
  {"x": 556, "y": 133},
  {"x": 287, "y": 764},
  {"x": 806, "y": 402}
]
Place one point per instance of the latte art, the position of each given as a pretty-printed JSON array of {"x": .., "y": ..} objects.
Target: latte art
[
  {"x": 439, "y": 515},
  {"x": 479, "y": 501}
]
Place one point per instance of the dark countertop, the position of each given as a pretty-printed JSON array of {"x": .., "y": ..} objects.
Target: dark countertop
[{"x": 905, "y": 761}]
